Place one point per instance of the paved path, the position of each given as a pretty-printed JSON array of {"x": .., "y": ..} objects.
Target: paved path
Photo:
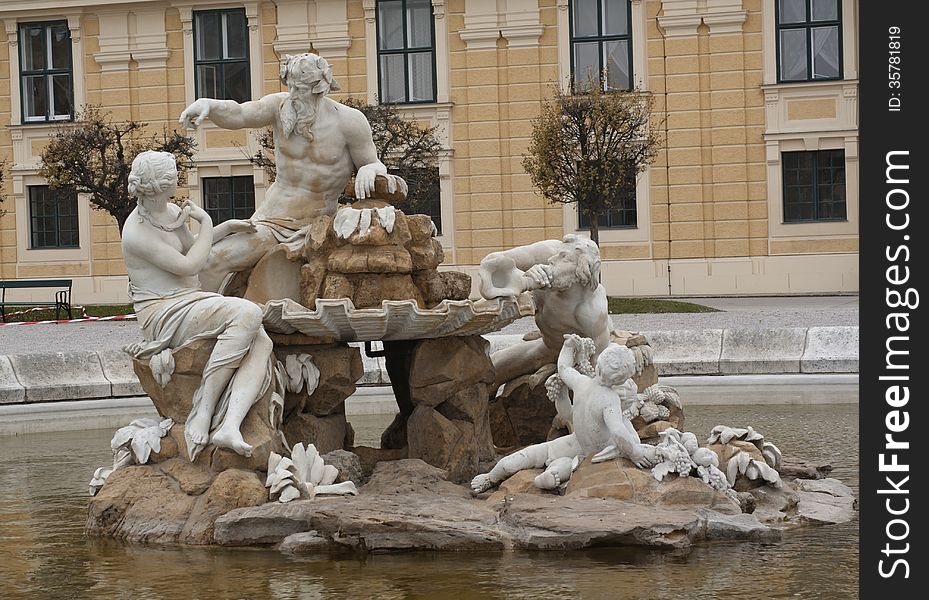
[{"x": 739, "y": 313}]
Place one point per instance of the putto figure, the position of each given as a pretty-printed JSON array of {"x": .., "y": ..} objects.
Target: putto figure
[
  {"x": 318, "y": 145},
  {"x": 599, "y": 424},
  {"x": 163, "y": 259}
]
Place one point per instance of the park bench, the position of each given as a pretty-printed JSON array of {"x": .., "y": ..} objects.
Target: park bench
[{"x": 62, "y": 296}]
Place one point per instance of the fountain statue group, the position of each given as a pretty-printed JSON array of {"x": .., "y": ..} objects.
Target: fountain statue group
[{"x": 264, "y": 383}]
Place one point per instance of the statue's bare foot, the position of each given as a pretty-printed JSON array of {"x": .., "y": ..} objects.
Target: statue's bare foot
[
  {"x": 481, "y": 483},
  {"x": 548, "y": 480},
  {"x": 196, "y": 434},
  {"x": 229, "y": 437}
]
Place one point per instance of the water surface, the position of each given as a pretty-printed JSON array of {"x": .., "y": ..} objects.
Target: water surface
[{"x": 43, "y": 554}]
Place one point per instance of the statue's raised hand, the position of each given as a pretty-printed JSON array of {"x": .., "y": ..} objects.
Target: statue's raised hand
[
  {"x": 196, "y": 213},
  {"x": 195, "y": 114},
  {"x": 540, "y": 276}
]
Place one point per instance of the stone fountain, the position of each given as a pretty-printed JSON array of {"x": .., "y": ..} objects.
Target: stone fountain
[{"x": 565, "y": 440}]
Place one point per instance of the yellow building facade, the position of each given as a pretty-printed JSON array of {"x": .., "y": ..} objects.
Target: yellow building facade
[{"x": 754, "y": 192}]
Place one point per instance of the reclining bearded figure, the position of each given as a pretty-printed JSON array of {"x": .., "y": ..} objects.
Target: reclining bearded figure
[{"x": 318, "y": 145}]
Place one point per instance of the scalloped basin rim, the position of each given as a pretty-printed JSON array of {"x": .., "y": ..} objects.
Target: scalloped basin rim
[{"x": 395, "y": 319}]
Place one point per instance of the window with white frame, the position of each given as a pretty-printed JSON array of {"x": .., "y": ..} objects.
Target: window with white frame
[
  {"x": 809, "y": 40},
  {"x": 46, "y": 78},
  {"x": 405, "y": 51},
  {"x": 601, "y": 41},
  {"x": 221, "y": 67},
  {"x": 53, "y": 219},
  {"x": 227, "y": 198}
]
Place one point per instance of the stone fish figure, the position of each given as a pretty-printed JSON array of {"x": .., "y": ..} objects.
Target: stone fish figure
[
  {"x": 318, "y": 145},
  {"x": 163, "y": 259},
  {"x": 597, "y": 416}
]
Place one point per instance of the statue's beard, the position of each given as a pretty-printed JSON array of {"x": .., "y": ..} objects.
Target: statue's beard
[
  {"x": 564, "y": 274},
  {"x": 298, "y": 116}
]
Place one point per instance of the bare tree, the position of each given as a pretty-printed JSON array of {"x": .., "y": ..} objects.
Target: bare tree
[
  {"x": 3, "y": 167},
  {"x": 94, "y": 155},
  {"x": 587, "y": 148},
  {"x": 405, "y": 147}
]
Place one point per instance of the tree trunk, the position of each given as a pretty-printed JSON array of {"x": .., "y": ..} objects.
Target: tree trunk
[{"x": 594, "y": 227}]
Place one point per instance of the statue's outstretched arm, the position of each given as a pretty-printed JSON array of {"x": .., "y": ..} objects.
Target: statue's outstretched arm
[{"x": 229, "y": 114}]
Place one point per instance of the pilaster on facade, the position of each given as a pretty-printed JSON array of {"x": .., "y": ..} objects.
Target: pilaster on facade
[{"x": 682, "y": 18}]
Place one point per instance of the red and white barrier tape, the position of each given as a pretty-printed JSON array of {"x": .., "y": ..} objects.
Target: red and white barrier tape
[{"x": 84, "y": 317}]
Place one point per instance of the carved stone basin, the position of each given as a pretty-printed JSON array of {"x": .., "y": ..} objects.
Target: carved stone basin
[{"x": 394, "y": 319}]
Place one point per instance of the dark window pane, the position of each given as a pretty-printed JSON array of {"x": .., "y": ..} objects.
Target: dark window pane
[
  {"x": 825, "y": 52},
  {"x": 615, "y": 17},
  {"x": 236, "y": 34},
  {"x": 792, "y": 11},
  {"x": 794, "y": 55},
  {"x": 585, "y": 18},
  {"x": 419, "y": 23},
  {"x": 35, "y": 97},
  {"x": 390, "y": 25},
  {"x": 227, "y": 198},
  {"x": 825, "y": 10},
  {"x": 62, "y": 105},
  {"x": 209, "y": 81},
  {"x": 237, "y": 82},
  {"x": 209, "y": 42},
  {"x": 61, "y": 47},
  {"x": 33, "y": 40},
  {"x": 616, "y": 59},
  {"x": 421, "y": 77},
  {"x": 586, "y": 64},
  {"x": 393, "y": 78}
]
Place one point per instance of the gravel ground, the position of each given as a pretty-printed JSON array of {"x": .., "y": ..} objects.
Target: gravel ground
[{"x": 749, "y": 313}]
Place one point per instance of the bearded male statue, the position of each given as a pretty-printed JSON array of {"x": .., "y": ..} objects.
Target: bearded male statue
[
  {"x": 318, "y": 145},
  {"x": 564, "y": 278}
]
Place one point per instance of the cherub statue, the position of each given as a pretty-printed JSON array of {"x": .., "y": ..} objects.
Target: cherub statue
[
  {"x": 597, "y": 417},
  {"x": 163, "y": 259}
]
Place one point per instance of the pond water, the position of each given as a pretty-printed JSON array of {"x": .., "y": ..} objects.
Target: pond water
[{"x": 43, "y": 553}]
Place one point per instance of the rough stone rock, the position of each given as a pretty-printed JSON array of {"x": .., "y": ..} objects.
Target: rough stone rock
[
  {"x": 736, "y": 527},
  {"x": 381, "y": 191},
  {"x": 647, "y": 378},
  {"x": 522, "y": 482},
  {"x": 337, "y": 286},
  {"x": 326, "y": 433},
  {"x": 232, "y": 489},
  {"x": 275, "y": 276},
  {"x": 312, "y": 277},
  {"x": 192, "y": 479},
  {"x": 307, "y": 542},
  {"x": 636, "y": 339},
  {"x": 348, "y": 464},
  {"x": 792, "y": 468},
  {"x": 421, "y": 228},
  {"x": 139, "y": 504},
  {"x": 320, "y": 238},
  {"x": 725, "y": 452},
  {"x": 649, "y": 433},
  {"x": 441, "y": 367},
  {"x": 369, "y": 291},
  {"x": 444, "y": 443},
  {"x": 371, "y": 457},
  {"x": 412, "y": 476},
  {"x": 773, "y": 504},
  {"x": 426, "y": 255},
  {"x": 436, "y": 286},
  {"x": 824, "y": 501},
  {"x": 174, "y": 401},
  {"x": 622, "y": 480},
  {"x": 370, "y": 259},
  {"x": 340, "y": 366},
  {"x": 522, "y": 414},
  {"x": 470, "y": 405}
]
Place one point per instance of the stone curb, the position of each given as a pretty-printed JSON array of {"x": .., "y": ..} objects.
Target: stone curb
[{"x": 57, "y": 376}]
